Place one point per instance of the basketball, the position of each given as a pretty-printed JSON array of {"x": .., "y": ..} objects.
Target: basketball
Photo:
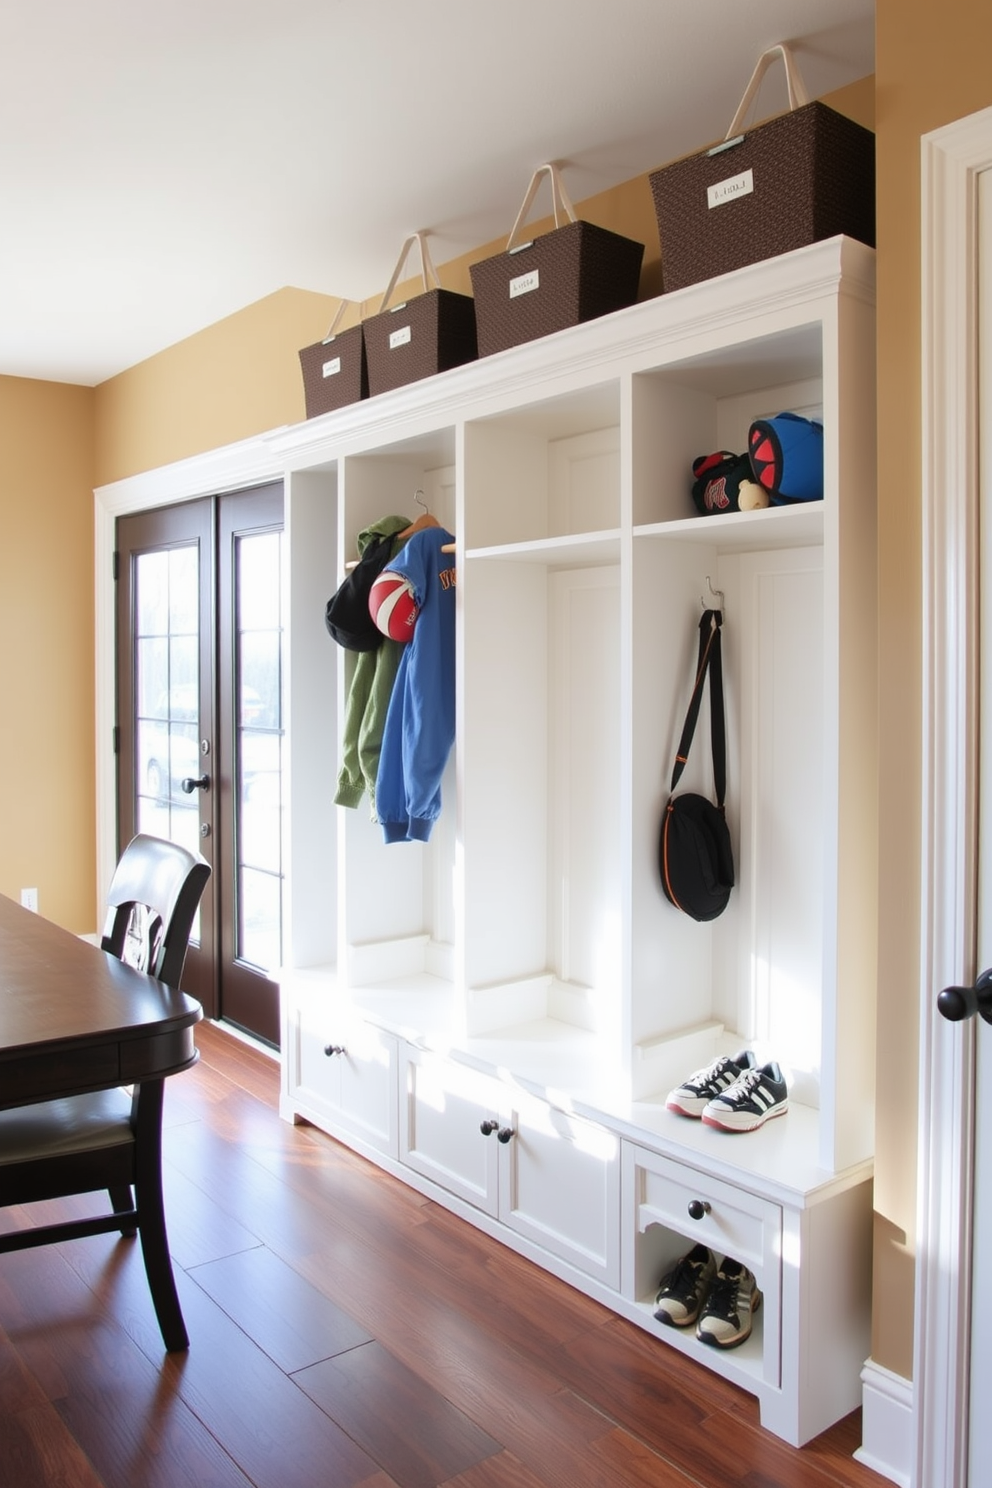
[{"x": 392, "y": 605}]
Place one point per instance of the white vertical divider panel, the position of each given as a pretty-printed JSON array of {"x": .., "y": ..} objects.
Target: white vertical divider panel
[
  {"x": 584, "y": 908},
  {"x": 847, "y": 1124},
  {"x": 779, "y": 621},
  {"x": 505, "y": 789},
  {"x": 626, "y": 733},
  {"x": 506, "y": 472},
  {"x": 312, "y": 698}
]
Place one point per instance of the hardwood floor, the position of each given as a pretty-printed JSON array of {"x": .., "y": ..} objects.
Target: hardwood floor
[{"x": 346, "y": 1333}]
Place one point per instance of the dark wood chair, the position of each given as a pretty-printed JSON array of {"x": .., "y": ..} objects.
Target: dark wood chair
[{"x": 112, "y": 1139}]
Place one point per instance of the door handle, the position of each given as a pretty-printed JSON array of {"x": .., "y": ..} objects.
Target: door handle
[
  {"x": 956, "y": 1003},
  {"x": 189, "y": 785}
]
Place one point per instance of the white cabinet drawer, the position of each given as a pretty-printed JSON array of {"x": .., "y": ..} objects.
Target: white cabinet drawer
[
  {"x": 667, "y": 1208},
  {"x": 727, "y": 1219}
]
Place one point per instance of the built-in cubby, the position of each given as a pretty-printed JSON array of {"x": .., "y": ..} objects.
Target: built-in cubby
[{"x": 519, "y": 985}]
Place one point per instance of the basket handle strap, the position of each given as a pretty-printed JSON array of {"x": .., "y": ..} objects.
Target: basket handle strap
[
  {"x": 797, "y": 88},
  {"x": 332, "y": 330},
  {"x": 710, "y": 660},
  {"x": 427, "y": 270},
  {"x": 563, "y": 209}
]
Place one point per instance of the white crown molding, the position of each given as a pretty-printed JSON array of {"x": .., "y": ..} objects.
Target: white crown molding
[
  {"x": 232, "y": 467},
  {"x": 952, "y": 159}
]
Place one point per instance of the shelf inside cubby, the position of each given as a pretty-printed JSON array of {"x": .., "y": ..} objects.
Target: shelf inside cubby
[
  {"x": 795, "y": 526},
  {"x": 581, "y": 550},
  {"x": 744, "y": 1363}
]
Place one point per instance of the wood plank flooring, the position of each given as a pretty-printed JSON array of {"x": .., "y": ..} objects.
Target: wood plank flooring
[{"x": 346, "y": 1333}]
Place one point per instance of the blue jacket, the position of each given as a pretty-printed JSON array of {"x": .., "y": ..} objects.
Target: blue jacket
[{"x": 420, "y": 723}]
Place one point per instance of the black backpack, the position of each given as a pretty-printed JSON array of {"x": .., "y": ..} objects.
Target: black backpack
[
  {"x": 695, "y": 857},
  {"x": 347, "y": 613}
]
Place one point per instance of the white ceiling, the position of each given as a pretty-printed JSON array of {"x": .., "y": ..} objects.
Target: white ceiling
[{"x": 164, "y": 164}]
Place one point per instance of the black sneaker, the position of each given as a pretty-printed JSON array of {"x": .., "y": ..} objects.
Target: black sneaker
[
  {"x": 733, "y": 1300},
  {"x": 682, "y": 1289},
  {"x": 692, "y": 1097},
  {"x": 754, "y": 1097}
]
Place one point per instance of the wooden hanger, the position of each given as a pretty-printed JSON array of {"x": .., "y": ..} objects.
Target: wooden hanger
[{"x": 426, "y": 520}]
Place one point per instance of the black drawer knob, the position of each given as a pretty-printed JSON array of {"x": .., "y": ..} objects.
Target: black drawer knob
[
  {"x": 698, "y": 1208},
  {"x": 504, "y": 1134},
  {"x": 488, "y": 1127},
  {"x": 330, "y": 1049}
]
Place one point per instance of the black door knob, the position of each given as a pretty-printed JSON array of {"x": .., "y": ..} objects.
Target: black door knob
[
  {"x": 488, "y": 1126},
  {"x": 956, "y": 1003},
  {"x": 189, "y": 785}
]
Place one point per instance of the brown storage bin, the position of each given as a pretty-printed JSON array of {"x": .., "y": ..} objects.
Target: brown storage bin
[
  {"x": 422, "y": 336},
  {"x": 334, "y": 370},
  {"x": 575, "y": 272},
  {"x": 805, "y": 175}
]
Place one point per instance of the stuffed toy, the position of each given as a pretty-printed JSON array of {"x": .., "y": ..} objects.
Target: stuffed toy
[
  {"x": 724, "y": 483},
  {"x": 786, "y": 458}
]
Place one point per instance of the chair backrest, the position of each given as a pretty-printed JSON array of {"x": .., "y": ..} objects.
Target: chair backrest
[{"x": 152, "y": 901}]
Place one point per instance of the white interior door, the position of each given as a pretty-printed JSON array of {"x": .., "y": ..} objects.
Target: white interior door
[
  {"x": 980, "y": 1420},
  {"x": 951, "y": 1443}
]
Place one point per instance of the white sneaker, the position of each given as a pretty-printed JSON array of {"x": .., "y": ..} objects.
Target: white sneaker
[
  {"x": 755, "y": 1096},
  {"x": 692, "y": 1097}
]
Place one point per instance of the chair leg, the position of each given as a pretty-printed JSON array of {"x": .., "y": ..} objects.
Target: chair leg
[
  {"x": 122, "y": 1202},
  {"x": 151, "y": 1218}
]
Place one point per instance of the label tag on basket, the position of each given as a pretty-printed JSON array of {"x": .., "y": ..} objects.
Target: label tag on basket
[
  {"x": 524, "y": 283},
  {"x": 331, "y": 368},
  {"x": 732, "y": 187},
  {"x": 399, "y": 338}
]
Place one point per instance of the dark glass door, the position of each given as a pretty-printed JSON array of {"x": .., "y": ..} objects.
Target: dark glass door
[{"x": 199, "y": 626}]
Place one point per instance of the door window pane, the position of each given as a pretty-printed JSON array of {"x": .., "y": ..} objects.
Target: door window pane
[
  {"x": 259, "y": 746},
  {"x": 167, "y": 722}
]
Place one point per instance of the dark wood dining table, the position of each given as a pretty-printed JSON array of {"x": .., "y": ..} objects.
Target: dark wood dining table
[{"x": 74, "y": 1018}]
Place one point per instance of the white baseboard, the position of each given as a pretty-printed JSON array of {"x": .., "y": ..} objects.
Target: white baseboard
[{"x": 886, "y": 1424}]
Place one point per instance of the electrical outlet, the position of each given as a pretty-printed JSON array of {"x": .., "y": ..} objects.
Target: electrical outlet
[{"x": 29, "y": 898}]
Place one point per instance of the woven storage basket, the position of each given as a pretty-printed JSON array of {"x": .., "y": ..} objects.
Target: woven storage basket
[
  {"x": 422, "y": 336},
  {"x": 806, "y": 175},
  {"x": 334, "y": 370},
  {"x": 575, "y": 272}
]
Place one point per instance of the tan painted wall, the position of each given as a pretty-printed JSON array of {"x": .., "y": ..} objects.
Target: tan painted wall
[
  {"x": 932, "y": 67},
  {"x": 47, "y": 770}
]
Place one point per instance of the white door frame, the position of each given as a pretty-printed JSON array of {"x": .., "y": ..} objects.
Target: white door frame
[{"x": 952, "y": 159}]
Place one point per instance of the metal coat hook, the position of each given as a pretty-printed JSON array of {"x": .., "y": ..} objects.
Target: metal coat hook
[
  {"x": 714, "y": 594},
  {"x": 421, "y": 499}
]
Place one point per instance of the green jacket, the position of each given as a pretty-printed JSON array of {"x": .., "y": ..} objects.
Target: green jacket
[{"x": 369, "y": 691}]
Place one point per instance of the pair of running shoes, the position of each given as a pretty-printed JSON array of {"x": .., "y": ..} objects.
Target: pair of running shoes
[{"x": 733, "y": 1093}]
